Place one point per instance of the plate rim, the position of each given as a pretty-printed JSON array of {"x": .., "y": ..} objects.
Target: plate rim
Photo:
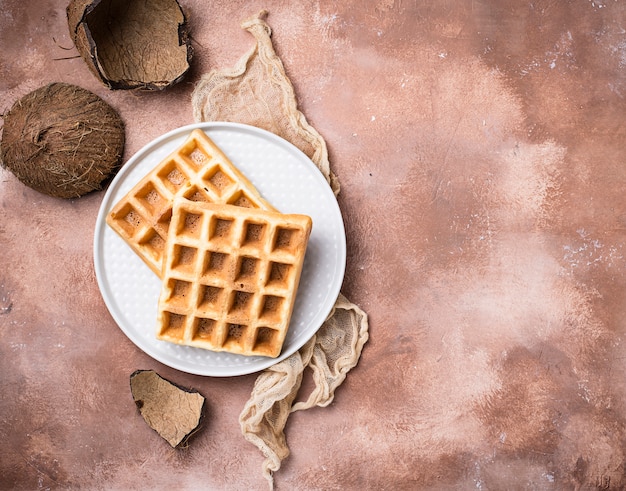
[{"x": 100, "y": 226}]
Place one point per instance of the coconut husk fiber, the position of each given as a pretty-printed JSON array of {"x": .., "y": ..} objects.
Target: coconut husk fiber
[
  {"x": 62, "y": 140},
  {"x": 131, "y": 44}
]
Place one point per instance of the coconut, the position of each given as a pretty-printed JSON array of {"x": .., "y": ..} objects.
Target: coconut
[
  {"x": 62, "y": 140},
  {"x": 132, "y": 44},
  {"x": 174, "y": 412}
]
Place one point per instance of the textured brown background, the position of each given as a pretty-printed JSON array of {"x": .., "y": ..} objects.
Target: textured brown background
[{"x": 481, "y": 150}]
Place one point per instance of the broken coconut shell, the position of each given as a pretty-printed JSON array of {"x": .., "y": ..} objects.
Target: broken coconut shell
[
  {"x": 62, "y": 140},
  {"x": 175, "y": 413},
  {"x": 132, "y": 44}
]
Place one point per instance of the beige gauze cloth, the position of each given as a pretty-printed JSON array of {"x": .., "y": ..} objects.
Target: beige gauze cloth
[{"x": 256, "y": 91}]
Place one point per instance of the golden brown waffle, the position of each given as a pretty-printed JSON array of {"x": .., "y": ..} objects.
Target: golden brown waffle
[
  {"x": 199, "y": 171},
  {"x": 230, "y": 277}
]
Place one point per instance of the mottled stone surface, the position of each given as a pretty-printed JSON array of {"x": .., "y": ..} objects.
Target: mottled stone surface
[{"x": 480, "y": 149}]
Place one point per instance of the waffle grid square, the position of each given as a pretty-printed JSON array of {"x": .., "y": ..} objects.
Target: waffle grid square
[{"x": 230, "y": 277}]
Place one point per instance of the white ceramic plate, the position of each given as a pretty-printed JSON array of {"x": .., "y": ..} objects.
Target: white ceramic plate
[{"x": 288, "y": 179}]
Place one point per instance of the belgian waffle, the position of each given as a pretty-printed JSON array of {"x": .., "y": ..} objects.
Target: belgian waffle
[
  {"x": 230, "y": 277},
  {"x": 199, "y": 171}
]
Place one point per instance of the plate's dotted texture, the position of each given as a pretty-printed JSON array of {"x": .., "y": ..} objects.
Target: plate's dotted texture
[{"x": 288, "y": 180}]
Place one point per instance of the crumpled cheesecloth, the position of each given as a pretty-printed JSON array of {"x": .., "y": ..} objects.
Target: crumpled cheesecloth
[{"x": 256, "y": 91}]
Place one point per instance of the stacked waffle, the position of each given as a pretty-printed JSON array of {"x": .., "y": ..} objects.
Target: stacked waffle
[{"x": 229, "y": 262}]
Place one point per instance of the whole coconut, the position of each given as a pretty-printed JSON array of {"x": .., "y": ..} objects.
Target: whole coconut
[
  {"x": 62, "y": 140},
  {"x": 131, "y": 44}
]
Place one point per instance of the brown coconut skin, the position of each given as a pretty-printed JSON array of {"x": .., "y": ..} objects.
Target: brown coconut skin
[
  {"x": 62, "y": 140},
  {"x": 83, "y": 15}
]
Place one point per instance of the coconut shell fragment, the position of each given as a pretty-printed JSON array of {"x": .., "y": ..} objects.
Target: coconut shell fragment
[
  {"x": 132, "y": 44},
  {"x": 62, "y": 140},
  {"x": 173, "y": 412}
]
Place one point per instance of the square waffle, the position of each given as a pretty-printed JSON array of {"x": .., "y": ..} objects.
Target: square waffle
[
  {"x": 199, "y": 171},
  {"x": 230, "y": 277}
]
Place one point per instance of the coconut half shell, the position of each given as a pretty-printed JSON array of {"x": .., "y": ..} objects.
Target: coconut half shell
[
  {"x": 62, "y": 140},
  {"x": 132, "y": 44}
]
